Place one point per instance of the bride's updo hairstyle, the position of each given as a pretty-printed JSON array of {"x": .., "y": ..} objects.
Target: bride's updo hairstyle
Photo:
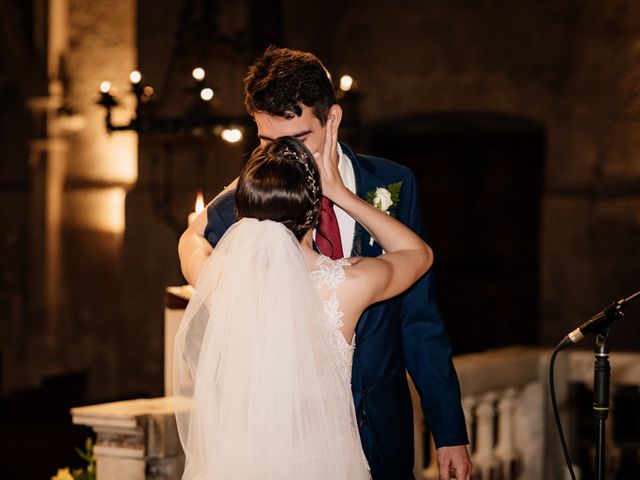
[{"x": 281, "y": 182}]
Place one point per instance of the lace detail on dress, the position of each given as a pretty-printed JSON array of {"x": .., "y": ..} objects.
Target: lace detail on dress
[
  {"x": 331, "y": 272},
  {"x": 330, "y": 275},
  {"x": 332, "y": 312}
]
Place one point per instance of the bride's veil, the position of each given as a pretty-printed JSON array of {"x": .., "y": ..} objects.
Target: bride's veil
[{"x": 258, "y": 394}]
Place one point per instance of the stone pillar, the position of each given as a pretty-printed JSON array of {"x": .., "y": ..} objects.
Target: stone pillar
[
  {"x": 101, "y": 168},
  {"x": 506, "y": 450},
  {"x": 48, "y": 149},
  {"x": 48, "y": 164},
  {"x": 484, "y": 460}
]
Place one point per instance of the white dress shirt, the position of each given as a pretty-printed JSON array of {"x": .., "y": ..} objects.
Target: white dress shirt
[{"x": 345, "y": 222}]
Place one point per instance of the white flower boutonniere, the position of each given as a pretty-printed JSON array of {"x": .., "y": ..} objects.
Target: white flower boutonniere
[{"x": 384, "y": 198}]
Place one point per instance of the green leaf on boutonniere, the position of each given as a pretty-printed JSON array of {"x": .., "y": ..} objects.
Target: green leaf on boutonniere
[
  {"x": 394, "y": 190},
  {"x": 370, "y": 196}
]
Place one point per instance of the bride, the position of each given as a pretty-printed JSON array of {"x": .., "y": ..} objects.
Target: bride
[{"x": 263, "y": 355}]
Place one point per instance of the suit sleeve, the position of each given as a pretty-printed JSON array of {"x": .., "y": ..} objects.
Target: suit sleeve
[
  {"x": 220, "y": 216},
  {"x": 426, "y": 347}
]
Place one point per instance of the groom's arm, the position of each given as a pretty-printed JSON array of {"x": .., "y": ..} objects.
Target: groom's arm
[
  {"x": 427, "y": 353},
  {"x": 197, "y": 242}
]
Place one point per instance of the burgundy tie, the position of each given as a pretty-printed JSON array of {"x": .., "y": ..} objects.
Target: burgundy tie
[{"x": 328, "y": 232}]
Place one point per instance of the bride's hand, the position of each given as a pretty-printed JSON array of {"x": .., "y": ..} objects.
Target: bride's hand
[{"x": 330, "y": 178}]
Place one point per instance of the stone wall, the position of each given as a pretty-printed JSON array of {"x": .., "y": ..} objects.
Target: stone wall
[{"x": 569, "y": 66}]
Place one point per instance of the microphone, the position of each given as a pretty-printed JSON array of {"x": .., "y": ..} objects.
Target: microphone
[{"x": 597, "y": 323}]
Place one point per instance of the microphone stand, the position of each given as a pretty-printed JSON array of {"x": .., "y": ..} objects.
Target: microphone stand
[
  {"x": 601, "y": 382},
  {"x": 601, "y": 378},
  {"x": 599, "y": 325}
]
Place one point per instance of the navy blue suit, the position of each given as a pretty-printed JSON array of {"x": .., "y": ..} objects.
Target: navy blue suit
[{"x": 405, "y": 332}]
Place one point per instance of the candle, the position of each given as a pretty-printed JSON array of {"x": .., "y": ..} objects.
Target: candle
[{"x": 199, "y": 208}]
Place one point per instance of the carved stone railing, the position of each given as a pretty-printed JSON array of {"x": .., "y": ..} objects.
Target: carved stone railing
[
  {"x": 505, "y": 399},
  {"x": 504, "y": 395}
]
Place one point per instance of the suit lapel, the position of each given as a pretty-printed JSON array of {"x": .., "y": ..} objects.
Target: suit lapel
[{"x": 366, "y": 180}]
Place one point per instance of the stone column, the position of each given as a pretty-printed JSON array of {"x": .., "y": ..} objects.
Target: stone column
[
  {"x": 48, "y": 148},
  {"x": 101, "y": 168}
]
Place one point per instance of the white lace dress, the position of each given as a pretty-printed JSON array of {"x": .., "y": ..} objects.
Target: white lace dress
[{"x": 328, "y": 277}]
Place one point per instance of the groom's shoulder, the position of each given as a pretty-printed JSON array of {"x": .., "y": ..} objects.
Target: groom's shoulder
[
  {"x": 383, "y": 167},
  {"x": 379, "y": 166},
  {"x": 225, "y": 200}
]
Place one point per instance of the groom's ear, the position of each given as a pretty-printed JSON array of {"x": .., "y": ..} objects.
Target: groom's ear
[{"x": 335, "y": 114}]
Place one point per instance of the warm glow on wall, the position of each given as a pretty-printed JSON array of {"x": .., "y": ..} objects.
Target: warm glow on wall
[
  {"x": 115, "y": 158},
  {"x": 97, "y": 209}
]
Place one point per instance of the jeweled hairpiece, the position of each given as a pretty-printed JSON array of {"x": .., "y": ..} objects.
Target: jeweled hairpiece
[
  {"x": 310, "y": 178},
  {"x": 313, "y": 186}
]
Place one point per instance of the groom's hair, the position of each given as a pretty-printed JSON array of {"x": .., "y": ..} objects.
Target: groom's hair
[
  {"x": 282, "y": 80},
  {"x": 281, "y": 182}
]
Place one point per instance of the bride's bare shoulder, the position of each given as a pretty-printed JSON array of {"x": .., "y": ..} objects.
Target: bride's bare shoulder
[
  {"x": 363, "y": 264},
  {"x": 361, "y": 269}
]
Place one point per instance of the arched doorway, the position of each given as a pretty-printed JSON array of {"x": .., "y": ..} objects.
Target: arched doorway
[{"x": 480, "y": 177}]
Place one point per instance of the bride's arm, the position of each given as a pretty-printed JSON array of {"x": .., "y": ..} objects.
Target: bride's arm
[
  {"x": 408, "y": 257},
  {"x": 193, "y": 248}
]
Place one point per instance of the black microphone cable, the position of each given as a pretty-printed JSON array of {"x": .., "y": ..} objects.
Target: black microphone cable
[
  {"x": 611, "y": 313},
  {"x": 556, "y": 414}
]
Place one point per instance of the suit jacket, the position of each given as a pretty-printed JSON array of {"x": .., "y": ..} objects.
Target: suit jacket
[{"x": 403, "y": 333}]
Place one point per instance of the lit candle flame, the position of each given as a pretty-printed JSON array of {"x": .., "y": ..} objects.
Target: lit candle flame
[
  {"x": 346, "y": 82},
  {"x": 206, "y": 94},
  {"x": 199, "y": 203},
  {"x": 198, "y": 73},
  {"x": 105, "y": 87},
  {"x": 231, "y": 135},
  {"x": 135, "y": 77}
]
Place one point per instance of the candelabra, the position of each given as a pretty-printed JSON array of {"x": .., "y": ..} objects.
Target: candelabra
[{"x": 196, "y": 120}]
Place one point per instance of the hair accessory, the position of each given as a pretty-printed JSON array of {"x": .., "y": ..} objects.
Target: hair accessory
[{"x": 312, "y": 185}]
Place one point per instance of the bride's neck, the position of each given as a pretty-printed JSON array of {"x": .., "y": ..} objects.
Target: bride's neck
[{"x": 307, "y": 240}]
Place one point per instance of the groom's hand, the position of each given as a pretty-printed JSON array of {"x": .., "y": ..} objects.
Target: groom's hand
[{"x": 454, "y": 462}]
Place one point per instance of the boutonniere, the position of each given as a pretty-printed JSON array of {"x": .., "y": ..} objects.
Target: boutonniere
[{"x": 384, "y": 198}]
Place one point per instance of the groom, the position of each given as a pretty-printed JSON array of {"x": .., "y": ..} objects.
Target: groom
[{"x": 289, "y": 93}]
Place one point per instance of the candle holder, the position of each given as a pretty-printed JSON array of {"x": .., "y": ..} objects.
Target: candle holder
[{"x": 198, "y": 118}]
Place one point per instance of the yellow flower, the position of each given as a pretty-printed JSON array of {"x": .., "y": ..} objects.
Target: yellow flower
[{"x": 63, "y": 474}]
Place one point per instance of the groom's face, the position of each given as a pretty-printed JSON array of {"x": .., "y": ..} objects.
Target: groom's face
[{"x": 306, "y": 128}]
